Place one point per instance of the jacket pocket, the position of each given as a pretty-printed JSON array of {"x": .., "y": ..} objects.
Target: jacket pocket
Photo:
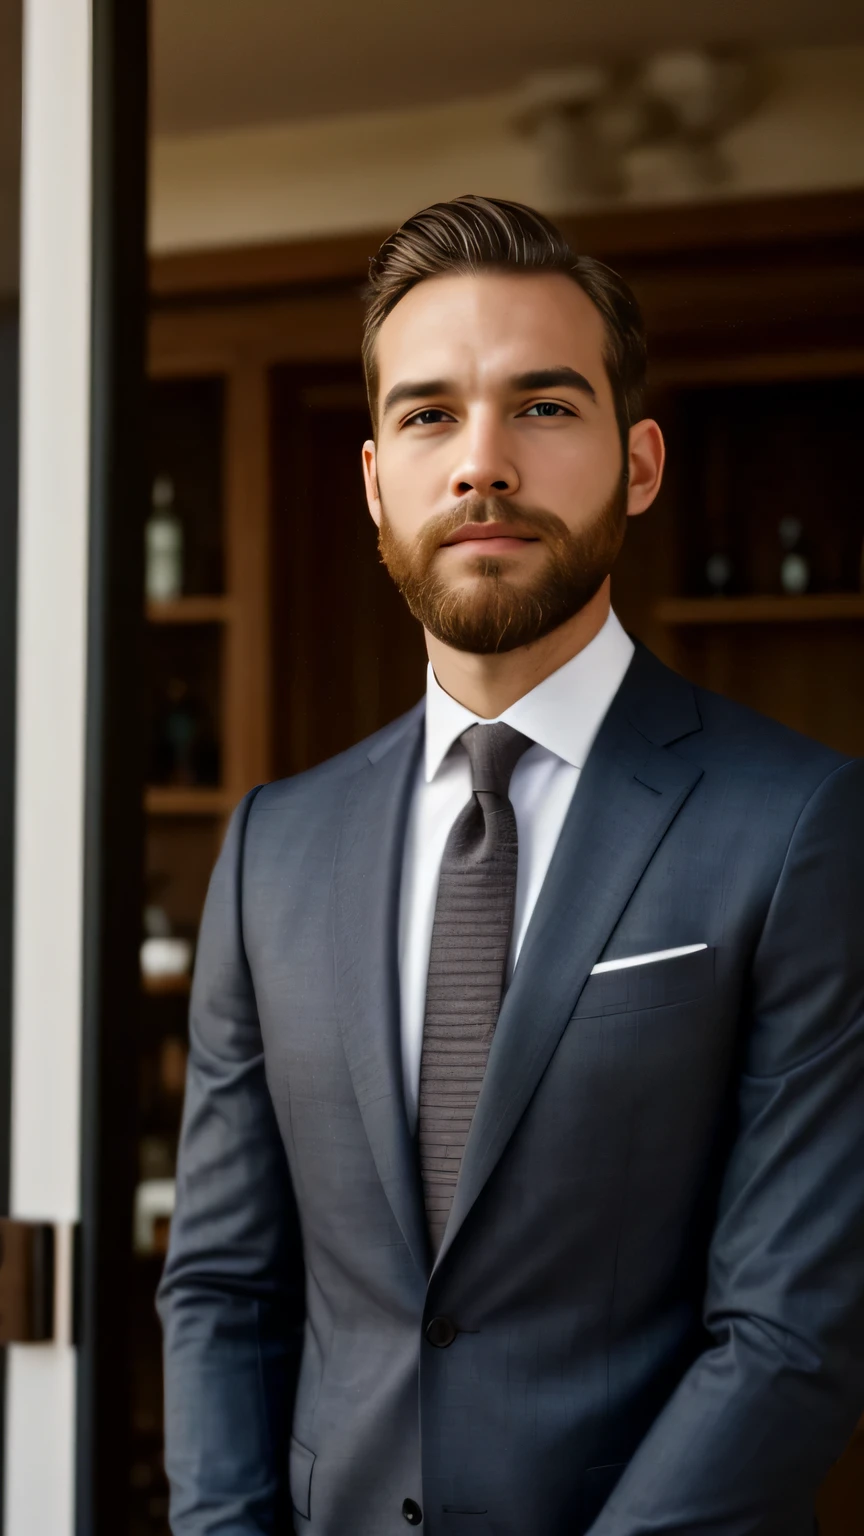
[
  {"x": 300, "y": 1463},
  {"x": 654, "y": 984}
]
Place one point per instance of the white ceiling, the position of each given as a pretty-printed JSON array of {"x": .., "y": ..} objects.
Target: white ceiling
[{"x": 223, "y": 63}]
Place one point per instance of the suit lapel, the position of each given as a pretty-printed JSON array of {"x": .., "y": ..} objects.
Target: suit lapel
[
  {"x": 629, "y": 792},
  {"x": 366, "y": 883}
]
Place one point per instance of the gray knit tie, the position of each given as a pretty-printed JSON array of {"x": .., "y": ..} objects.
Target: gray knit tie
[{"x": 467, "y": 963}]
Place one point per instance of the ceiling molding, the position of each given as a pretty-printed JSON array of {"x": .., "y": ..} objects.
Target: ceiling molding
[{"x": 647, "y": 232}]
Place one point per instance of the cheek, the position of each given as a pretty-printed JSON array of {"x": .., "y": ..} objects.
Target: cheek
[
  {"x": 411, "y": 489},
  {"x": 554, "y": 470}
]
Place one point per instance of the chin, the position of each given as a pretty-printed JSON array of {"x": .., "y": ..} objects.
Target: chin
[{"x": 491, "y": 568}]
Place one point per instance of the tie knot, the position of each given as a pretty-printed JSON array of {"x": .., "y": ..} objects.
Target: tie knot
[{"x": 494, "y": 751}]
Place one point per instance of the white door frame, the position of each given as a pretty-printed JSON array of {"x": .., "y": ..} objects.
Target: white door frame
[{"x": 50, "y": 728}]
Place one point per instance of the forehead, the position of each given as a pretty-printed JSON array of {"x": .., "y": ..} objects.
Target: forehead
[{"x": 489, "y": 325}]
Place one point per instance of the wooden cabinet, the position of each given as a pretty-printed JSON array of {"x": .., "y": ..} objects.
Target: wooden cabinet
[
  {"x": 758, "y": 471},
  {"x": 207, "y": 713}
]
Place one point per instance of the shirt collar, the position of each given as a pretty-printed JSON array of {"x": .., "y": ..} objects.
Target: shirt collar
[{"x": 562, "y": 714}]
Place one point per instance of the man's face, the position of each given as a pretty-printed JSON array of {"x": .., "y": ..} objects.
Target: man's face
[{"x": 496, "y": 421}]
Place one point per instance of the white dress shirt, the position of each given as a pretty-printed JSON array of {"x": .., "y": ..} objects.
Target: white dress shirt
[{"x": 561, "y": 716}]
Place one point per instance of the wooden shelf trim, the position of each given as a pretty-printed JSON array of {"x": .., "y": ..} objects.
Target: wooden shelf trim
[
  {"x": 191, "y": 610},
  {"x": 719, "y": 223},
  {"x": 167, "y": 986},
  {"x": 165, "y": 800},
  {"x": 822, "y": 607}
]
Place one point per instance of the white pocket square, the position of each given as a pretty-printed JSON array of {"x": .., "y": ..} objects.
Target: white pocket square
[{"x": 656, "y": 954}]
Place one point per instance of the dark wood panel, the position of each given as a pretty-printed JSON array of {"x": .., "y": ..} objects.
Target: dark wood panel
[
  {"x": 348, "y": 656},
  {"x": 775, "y": 286},
  {"x": 247, "y": 684},
  {"x": 808, "y": 677}
]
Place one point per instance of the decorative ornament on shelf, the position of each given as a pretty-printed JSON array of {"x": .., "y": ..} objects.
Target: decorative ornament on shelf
[
  {"x": 718, "y": 573},
  {"x": 154, "y": 1207},
  {"x": 697, "y": 95},
  {"x": 586, "y": 121},
  {"x": 582, "y": 121},
  {"x": 164, "y": 545},
  {"x": 163, "y": 958},
  {"x": 163, "y": 954},
  {"x": 794, "y": 567}
]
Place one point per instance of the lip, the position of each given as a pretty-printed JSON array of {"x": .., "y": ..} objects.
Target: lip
[
  {"x": 475, "y": 532},
  {"x": 494, "y": 546}
]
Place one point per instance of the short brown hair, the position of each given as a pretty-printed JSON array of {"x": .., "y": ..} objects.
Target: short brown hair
[{"x": 474, "y": 234}]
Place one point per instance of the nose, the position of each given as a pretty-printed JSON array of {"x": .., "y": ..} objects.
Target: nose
[{"x": 485, "y": 467}]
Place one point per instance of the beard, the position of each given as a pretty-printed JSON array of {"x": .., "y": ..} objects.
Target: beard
[{"x": 493, "y": 613}]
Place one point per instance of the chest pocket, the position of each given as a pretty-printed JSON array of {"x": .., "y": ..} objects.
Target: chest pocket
[{"x": 653, "y": 984}]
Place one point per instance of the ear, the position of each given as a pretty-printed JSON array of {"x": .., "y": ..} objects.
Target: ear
[
  {"x": 370, "y": 480},
  {"x": 647, "y": 457}
]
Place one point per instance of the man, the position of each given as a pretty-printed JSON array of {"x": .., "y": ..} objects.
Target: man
[{"x": 522, "y": 1170}]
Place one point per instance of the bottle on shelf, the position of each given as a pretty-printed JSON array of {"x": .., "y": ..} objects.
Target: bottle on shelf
[
  {"x": 794, "y": 565},
  {"x": 163, "y": 545},
  {"x": 185, "y": 752}
]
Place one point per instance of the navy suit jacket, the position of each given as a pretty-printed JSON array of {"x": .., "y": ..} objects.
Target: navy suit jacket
[{"x": 654, "y": 1265}]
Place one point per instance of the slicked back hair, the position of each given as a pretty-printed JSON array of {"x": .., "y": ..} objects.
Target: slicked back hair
[{"x": 481, "y": 234}]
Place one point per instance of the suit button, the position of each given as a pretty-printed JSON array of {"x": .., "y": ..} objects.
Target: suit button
[
  {"x": 412, "y": 1512},
  {"x": 441, "y": 1332}
]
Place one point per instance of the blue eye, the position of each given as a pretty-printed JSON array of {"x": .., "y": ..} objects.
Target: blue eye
[{"x": 548, "y": 408}]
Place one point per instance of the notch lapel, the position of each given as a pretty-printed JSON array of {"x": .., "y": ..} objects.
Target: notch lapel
[
  {"x": 366, "y": 882},
  {"x": 629, "y": 792}
]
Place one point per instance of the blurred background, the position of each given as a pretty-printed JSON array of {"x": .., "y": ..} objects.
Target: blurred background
[{"x": 713, "y": 153}]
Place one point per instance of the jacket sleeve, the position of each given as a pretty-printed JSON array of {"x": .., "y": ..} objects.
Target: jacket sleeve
[
  {"x": 231, "y": 1296},
  {"x": 753, "y": 1426}
]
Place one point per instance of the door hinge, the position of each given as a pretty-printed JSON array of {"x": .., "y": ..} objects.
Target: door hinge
[{"x": 37, "y": 1265}]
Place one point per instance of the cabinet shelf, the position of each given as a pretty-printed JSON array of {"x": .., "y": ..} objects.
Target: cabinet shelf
[
  {"x": 166, "y": 986},
  {"x": 166, "y": 800},
  {"x": 191, "y": 610},
  {"x": 822, "y": 607}
]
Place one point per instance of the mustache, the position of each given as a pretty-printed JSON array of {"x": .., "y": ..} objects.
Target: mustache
[{"x": 490, "y": 509}]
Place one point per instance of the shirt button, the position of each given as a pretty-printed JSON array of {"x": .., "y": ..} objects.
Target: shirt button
[
  {"x": 412, "y": 1512},
  {"x": 440, "y": 1332}
]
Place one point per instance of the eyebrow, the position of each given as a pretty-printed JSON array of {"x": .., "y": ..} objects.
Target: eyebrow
[
  {"x": 414, "y": 391},
  {"x": 538, "y": 378},
  {"x": 552, "y": 378}
]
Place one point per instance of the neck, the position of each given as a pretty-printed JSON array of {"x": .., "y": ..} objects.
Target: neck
[{"x": 487, "y": 685}]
